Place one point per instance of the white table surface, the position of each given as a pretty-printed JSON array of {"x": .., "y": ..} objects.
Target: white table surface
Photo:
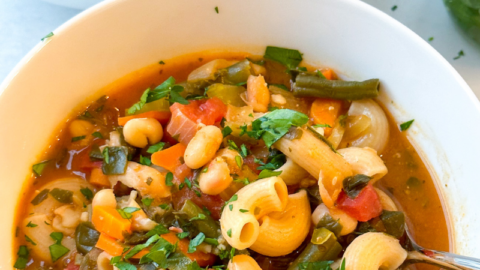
[{"x": 24, "y": 22}]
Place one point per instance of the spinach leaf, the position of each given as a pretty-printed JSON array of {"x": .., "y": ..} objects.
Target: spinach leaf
[
  {"x": 288, "y": 57},
  {"x": 86, "y": 237},
  {"x": 275, "y": 160},
  {"x": 352, "y": 185},
  {"x": 62, "y": 195},
  {"x": 394, "y": 222},
  {"x": 276, "y": 124},
  {"x": 115, "y": 160}
]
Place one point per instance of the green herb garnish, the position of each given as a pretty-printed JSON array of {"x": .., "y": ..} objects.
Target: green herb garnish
[
  {"x": 49, "y": 35},
  {"x": 168, "y": 179},
  {"x": 139, "y": 105},
  {"x": 353, "y": 185},
  {"x": 147, "y": 201},
  {"x": 31, "y": 225},
  {"x": 406, "y": 125},
  {"x": 288, "y": 57},
  {"x": 394, "y": 8},
  {"x": 155, "y": 148},
  {"x": 39, "y": 167},
  {"x": 43, "y": 195},
  {"x": 229, "y": 233},
  {"x": 57, "y": 250},
  {"x": 268, "y": 173},
  {"x": 126, "y": 212},
  {"x": 460, "y": 54},
  {"x": 62, "y": 195},
  {"x": 87, "y": 193},
  {"x": 226, "y": 131},
  {"x": 97, "y": 134},
  {"x": 145, "y": 161},
  {"x": 78, "y": 138},
  {"x": 22, "y": 258},
  {"x": 195, "y": 242}
]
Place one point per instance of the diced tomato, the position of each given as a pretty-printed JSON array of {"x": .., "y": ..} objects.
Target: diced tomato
[
  {"x": 212, "y": 203},
  {"x": 364, "y": 207},
  {"x": 168, "y": 138},
  {"x": 71, "y": 265},
  {"x": 181, "y": 172}
]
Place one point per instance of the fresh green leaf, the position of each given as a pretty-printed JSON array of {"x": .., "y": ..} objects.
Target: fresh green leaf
[
  {"x": 75, "y": 139},
  {"x": 161, "y": 62},
  {"x": 115, "y": 260},
  {"x": 200, "y": 216},
  {"x": 97, "y": 134},
  {"x": 125, "y": 266},
  {"x": 139, "y": 105},
  {"x": 276, "y": 124},
  {"x": 126, "y": 212},
  {"x": 168, "y": 179},
  {"x": 140, "y": 247},
  {"x": 194, "y": 266},
  {"x": 62, "y": 195},
  {"x": 145, "y": 161},
  {"x": 31, "y": 225},
  {"x": 49, "y": 35},
  {"x": 230, "y": 207},
  {"x": 232, "y": 199},
  {"x": 243, "y": 150},
  {"x": 205, "y": 170},
  {"x": 155, "y": 148},
  {"x": 39, "y": 167},
  {"x": 195, "y": 242},
  {"x": 322, "y": 125},
  {"x": 205, "y": 209},
  {"x": 232, "y": 145},
  {"x": 216, "y": 10},
  {"x": 302, "y": 69},
  {"x": 243, "y": 130},
  {"x": 275, "y": 160},
  {"x": 268, "y": 173},
  {"x": 164, "y": 206},
  {"x": 238, "y": 160},
  {"x": 243, "y": 210},
  {"x": 28, "y": 239},
  {"x": 211, "y": 241},
  {"x": 288, "y": 57},
  {"x": 161, "y": 91},
  {"x": 229, "y": 233},
  {"x": 183, "y": 235},
  {"x": 175, "y": 95},
  {"x": 159, "y": 229},
  {"x": 460, "y": 54},
  {"x": 22, "y": 259},
  {"x": 353, "y": 185},
  {"x": 226, "y": 131},
  {"x": 147, "y": 201},
  {"x": 57, "y": 250},
  {"x": 430, "y": 39},
  {"x": 43, "y": 195},
  {"x": 406, "y": 125},
  {"x": 115, "y": 160},
  {"x": 394, "y": 8},
  {"x": 342, "y": 266},
  {"x": 87, "y": 193},
  {"x": 281, "y": 86},
  {"x": 188, "y": 183}
]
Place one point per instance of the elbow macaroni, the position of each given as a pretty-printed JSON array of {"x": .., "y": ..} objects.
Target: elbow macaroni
[
  {"x": 365, "y": 161},
  {"x": 320, "y": 161},
  {"x": 283, "y": 232},
  {"x": 292, "y": 173},
  {"x": 243, "y": 262},
  {"x": 385, "y": 200},
  {"x": 372, "y": 251},
  {"x": 348, "y": 223},
  {"x": 258, "y": 199}
]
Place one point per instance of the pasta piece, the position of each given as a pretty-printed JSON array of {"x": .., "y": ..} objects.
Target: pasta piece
[
  {"x": 145, "y": 179},
  {"x": 292, "y": 173},
  {"x": 140, "y": 221},
  {"x": 372, "y": 251},
  {"x": 365, "y": 161},
  {"x": 67, "y": 218},
  {"x": 348, "y": 223},
  {"x": 283, "y": 232},
  {"x": 317, "y": 158},
  {"x": 376, "y": 135},
  {"x": 258, "y": 199},
  {"x": 243, "y": 262},
  {"x": 385, "y": 200},
  {"x": 103, "y": 261},
  {"x": 73, "y": 184}
]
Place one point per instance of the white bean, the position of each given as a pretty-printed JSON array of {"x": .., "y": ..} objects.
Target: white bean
[
  {"x": 104, "y": 197},
  {"x": 203, "y": 146},
  {"x": 142, "y": 131},
  {"x": 216, "y": 179}
]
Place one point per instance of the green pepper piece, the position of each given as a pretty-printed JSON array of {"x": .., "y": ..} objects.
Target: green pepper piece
[
  {"x": 86, "y": 237},
  {"x": 229, "y": 94}
]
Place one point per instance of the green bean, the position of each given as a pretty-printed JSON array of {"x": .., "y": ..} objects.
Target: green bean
[
  {"x": 311, "y": 85},
  {"x": 199, "y": 219},
  {"x": 236, "y": 73},
  {"x": 323, "y": 247},
  {"x": 86, "y": 237}
]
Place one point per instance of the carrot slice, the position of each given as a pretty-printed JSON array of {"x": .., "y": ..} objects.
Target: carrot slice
[
  {"x": 325, "y": 111},
  {"x": 107, "y": 220},
  {"x": 98, "y": 178},
  {"x": 161, "y": 116},
  {"x": 203, "y": 259},
  {"x": 328, "y": 73},
  {"x": 109, "y": 245},
  {"x": 170, "y": 157}
]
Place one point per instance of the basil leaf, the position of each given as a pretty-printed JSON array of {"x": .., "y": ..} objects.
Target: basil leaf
[
  {"x": 140, "y": 247},
  {"x": 43, "y": 195},
  {"x": 115, "y": 160},
  {"x": 195, "y": 242},
  {"x": 62, "y": 195},
  {"x": 353, "y": 185},
  {"x": 406, "y": 125},
  {"x": 288, "y": 57},
  {"x": 175, "y": 95},
  {"x": 155, "y": 148},
  {"x": 147, "y": 201},
  {"x": 139, "y": 105},
  {"x": 161, "y": 91}
]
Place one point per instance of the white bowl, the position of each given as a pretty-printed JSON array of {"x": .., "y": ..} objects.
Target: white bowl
[{"x": 116, "y": 38}]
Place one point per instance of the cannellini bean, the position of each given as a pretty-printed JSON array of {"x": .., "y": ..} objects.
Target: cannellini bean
[
  {"x": 66, "y": 219},
  {"x": 279, "y": 99},
  {"x": 231, "y": 157},
  {"x": 203, "y": 146},
  {"x": 142, "y": 131},
  {"x": 104, "y": 197},
  {"x": 348, "y": 223},
  {"x": 258, "y": 95},
  {"x": 216, "y": 179},
  {"x": 79, "y": 128}
]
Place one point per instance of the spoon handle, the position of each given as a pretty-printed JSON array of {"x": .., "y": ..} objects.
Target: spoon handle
[{"x": 444, "y": 260}]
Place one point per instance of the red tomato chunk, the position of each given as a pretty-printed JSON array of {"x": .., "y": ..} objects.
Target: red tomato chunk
[{"x": 364, "y": 207}]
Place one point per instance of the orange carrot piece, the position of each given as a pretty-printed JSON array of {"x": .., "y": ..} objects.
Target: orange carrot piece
[
  {"x": 107, "y": 220},
  {"x": 109, "y": 245},
  {"x": 98, "y": 178},
  {"x": 170, "y": 157},
  {"x": 325, "y": 111},
  {"x": 203, "y": 259},
  {"x": 161, "y": 116},
  {"x": 328, "y": 73},
  {"x": 140, "y": 254}
]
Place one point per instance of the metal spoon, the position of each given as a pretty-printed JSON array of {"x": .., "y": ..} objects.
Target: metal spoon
[{"x": 444, "y": 260}]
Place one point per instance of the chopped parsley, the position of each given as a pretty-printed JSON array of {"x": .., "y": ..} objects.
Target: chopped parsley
[
  {"x": 229, "y": 233},
  {"x": 406, "y": 125},
  {"x": 230, "y": 206},
  {"x": 216, "y": 10},
  {"x": 39, "y": 167},
  {"x": 238, "y": 160},
  {"x": 200, "y": 216},
  {"x": 243, "y": 210},
  {"x": 430, "y": 39},
  {"x": 394, "y": 8},
  {"x": 31, "y": 225},
  {"x": 460, "y": 54},
  {"x": 168, "y": 89},
  {"x": 145, "y": 161},
  {"x": 226, "y": 131},
  {"x": 57, "y": 250},
  {"x": 97, "y": 134},
  {"x": 268, "y": 173},
  {"x": 126, "y": 212},
  {"x": 195, "y": 242},
  {"x": 139, "y": 105},
  {"x": 49, "y": 35},
  {"x": 155, "y": 148},
  {"x": 183, "y": 235},
  {"x": 161, "y": 62},
  {"x": 28, "y": 239},
  {"x": 22, "y": 258},
  {"x": 147, "y": 201},
  {"x": 205, "y": 209},
  {"x": 78, "y": 138}
]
